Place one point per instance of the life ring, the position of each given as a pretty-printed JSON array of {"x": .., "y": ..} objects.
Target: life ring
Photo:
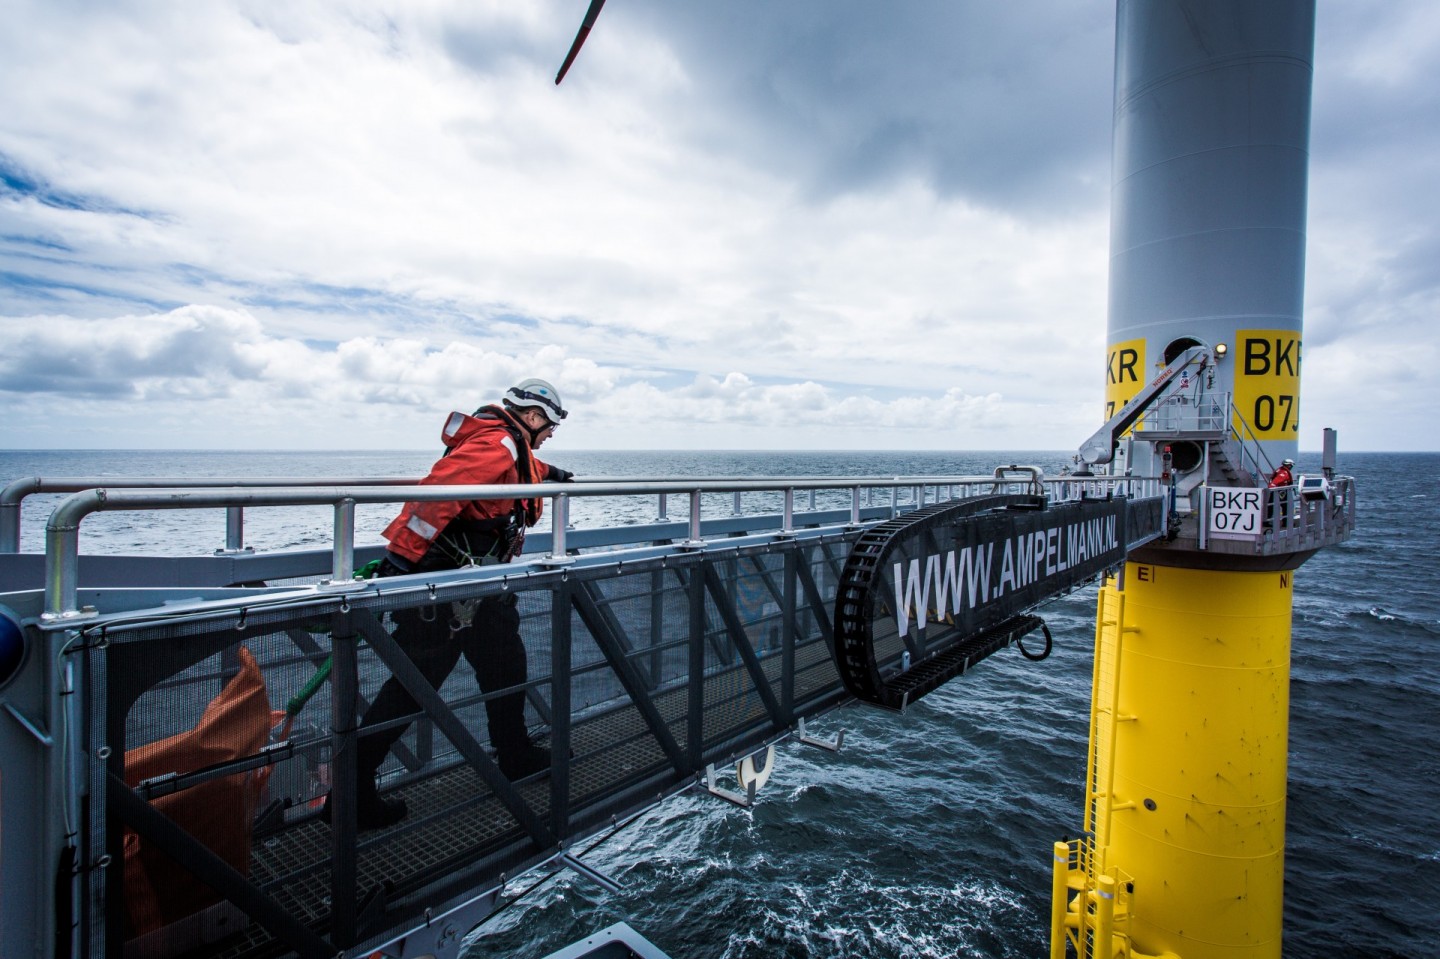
[{"x": 748, "y": 774}]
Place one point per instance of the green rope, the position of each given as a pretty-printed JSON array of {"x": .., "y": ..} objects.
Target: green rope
[
  {"x": 296, "y": 704},
  {"x": 293, "y": 707}
]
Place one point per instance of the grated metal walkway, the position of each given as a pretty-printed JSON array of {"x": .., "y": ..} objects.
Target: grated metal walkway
[{"x": 455, "y": 822}]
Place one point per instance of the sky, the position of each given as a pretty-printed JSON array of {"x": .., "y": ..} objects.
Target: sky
[{"x": 809, "y": 224}]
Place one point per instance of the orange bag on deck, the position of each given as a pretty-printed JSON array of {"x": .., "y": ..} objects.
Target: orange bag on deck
[{"x": 218, "y": 813}]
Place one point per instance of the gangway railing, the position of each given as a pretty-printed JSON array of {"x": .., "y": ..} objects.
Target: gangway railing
[
  {"x": 13, "y": 496},
  {"x": 650, "y": 664},
  {"x": 63, "y": 529}
]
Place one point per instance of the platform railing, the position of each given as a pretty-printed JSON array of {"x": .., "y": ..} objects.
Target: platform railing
[
  {"x": 1181, "y": 413},
  {"x": 1294, "y": 521},
  {"x": 1286, "y": 519},
  {"x": 63, "y": 529}
]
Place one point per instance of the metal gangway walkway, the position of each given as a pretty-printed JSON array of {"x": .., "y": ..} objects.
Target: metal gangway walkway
[{"x": 658, "y": 653}]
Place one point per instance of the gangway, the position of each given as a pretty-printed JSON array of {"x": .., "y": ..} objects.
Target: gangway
[
  {"x": 1100, "y": 447},
  {"x": 658, "y": 654}
]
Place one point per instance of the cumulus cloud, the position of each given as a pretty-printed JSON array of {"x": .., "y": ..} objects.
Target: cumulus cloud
[
  {"x": 219, "y": 368},
  {"x": 194, "y": 350},
  {"x": 188, "y": 350}
]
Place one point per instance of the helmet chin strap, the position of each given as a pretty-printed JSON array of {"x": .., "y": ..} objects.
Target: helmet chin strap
[
  {"x": 521, "y": 418},
  {"x": 534, "y": 433}
]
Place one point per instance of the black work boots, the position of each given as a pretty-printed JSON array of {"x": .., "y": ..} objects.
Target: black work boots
[
  {"x": 371, "y": 811},
  {"x": 524, "y": 761}
]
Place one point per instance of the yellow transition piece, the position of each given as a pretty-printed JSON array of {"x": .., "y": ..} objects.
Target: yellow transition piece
[{"x": 1189, "y": 731}]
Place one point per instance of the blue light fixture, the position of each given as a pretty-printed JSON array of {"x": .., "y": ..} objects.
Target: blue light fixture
[{"x": 12, "y": 646}]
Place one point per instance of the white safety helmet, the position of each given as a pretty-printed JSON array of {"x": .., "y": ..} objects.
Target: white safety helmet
[
  {"x": 539, "y": 394},
  {"x": 1288, "y": 463}
]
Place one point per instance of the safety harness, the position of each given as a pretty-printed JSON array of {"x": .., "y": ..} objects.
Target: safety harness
[{"x": 498, "y": 538}]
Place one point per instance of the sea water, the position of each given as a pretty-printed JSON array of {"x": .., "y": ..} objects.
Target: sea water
[{"x": 929, "y": 835}]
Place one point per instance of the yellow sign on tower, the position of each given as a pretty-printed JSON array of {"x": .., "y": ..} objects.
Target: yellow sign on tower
[
  {"x": 1124, "y": 369},
  {"x": 1267, "y": 382}
]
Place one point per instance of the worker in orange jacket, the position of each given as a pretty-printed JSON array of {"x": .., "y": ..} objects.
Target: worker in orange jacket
[
  {"x": 495, "y": 445},
  {"x": 1281, "y": 480}
]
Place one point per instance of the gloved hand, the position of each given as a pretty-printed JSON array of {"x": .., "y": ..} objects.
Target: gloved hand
[
  {"x": 557, "y": 475},
  {"x": 392, "y": 565}
]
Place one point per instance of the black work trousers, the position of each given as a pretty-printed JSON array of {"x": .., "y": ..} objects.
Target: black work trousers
[{"x": 491, "y": 644}]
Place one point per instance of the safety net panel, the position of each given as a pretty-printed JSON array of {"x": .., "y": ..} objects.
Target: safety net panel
[{"x": 312, "y": 777}]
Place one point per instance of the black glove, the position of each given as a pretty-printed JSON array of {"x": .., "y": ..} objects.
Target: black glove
[{"x": 557, "y": 475}]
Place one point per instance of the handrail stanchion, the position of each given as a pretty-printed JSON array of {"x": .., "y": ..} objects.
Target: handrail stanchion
[
  {"x": 735, "y": 510},
  {"x": 1202, "y": 526},
  {"x": 559, "y": 519},
  {"x": 343, "y": 548},
  {"x": 855, "y": 506},
  {"x": 787, "y": 522},
  {"x": 234, "y": 529},
  {"x": 664, "y": 507},
  {"x": 9, "y": 527},
  {"x": 1059, "y": 879},
  {"x": 62, "y": 584},
  {"x": 812, "y": 500},
  {"x": 695, "y": 540}
]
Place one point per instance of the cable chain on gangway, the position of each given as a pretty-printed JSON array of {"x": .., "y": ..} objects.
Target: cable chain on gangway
[{"x": 854, "y": 606}]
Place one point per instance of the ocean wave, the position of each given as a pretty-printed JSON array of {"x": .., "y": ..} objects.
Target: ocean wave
[{"x": 853, "y": 915}]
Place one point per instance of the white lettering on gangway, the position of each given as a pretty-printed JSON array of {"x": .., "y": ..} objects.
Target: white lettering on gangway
[{"x": 933, "y": 587}]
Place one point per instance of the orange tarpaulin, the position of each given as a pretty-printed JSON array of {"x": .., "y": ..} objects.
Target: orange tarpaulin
[{"x": 218, "y": 813}]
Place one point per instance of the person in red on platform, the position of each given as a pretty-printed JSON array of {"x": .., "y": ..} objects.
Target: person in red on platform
[
  {"x": 1282, "y": 475},
  {"x": 494, "y": 446},
  {"x": 1282, "y": 479}
]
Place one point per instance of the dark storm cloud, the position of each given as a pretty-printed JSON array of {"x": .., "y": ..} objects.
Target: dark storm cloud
[
  {"x": 1373, "y": 87},
  {"x": 979, "y": 99},
  {"x": 1374, "y": 262}
]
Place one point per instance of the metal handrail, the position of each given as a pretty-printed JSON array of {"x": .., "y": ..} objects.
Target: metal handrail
[
  {"x": 12, "y": 496},
  {"x": 1250, "y": 448},
  {"x": 1291, "y": 518},
  {"x": 62, "y": 532},
  {"x": 1035, "y": 477},
  {"x": 1179, "y": 412}
]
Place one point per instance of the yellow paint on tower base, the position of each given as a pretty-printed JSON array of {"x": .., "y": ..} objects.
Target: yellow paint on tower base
[{"x": 1200, "y": 759}]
